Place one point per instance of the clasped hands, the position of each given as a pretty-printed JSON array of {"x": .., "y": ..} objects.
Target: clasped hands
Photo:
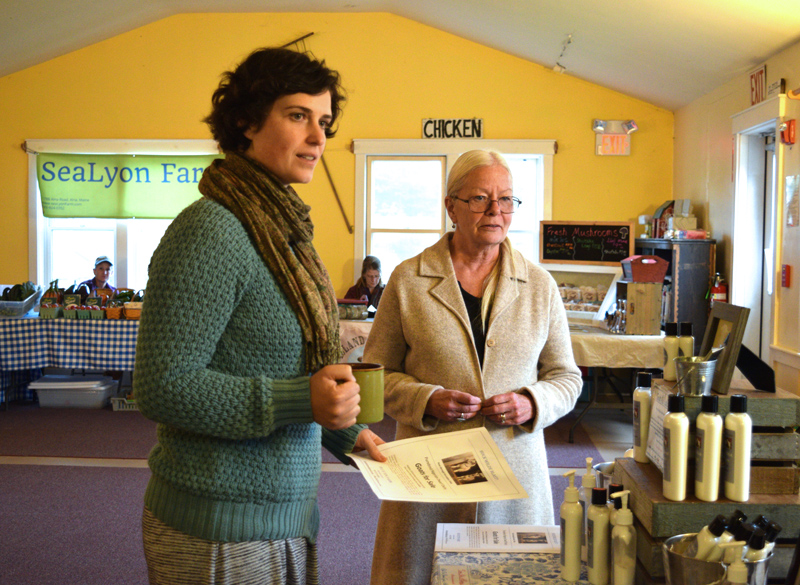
[{"x": 511, "y": 408}]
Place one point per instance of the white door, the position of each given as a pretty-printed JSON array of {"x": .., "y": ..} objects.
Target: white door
[{"x": 766, "y": 236}]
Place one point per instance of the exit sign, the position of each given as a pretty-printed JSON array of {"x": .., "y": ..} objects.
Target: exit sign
[
  {"x": 758, "y": 85},
  {"x": 613, "y": 144}
]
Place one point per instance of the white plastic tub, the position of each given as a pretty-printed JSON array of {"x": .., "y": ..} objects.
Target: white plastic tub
[{"x": 74, "y": 391}]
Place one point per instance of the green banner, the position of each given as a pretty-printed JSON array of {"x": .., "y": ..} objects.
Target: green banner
[{"x": 119, "y": 185}]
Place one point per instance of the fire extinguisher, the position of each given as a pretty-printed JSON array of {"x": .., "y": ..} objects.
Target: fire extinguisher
[{"x": 719, "y": 290}]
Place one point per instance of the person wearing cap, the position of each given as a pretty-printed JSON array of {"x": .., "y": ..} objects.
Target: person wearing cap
[{"x": 102, "y": 272}]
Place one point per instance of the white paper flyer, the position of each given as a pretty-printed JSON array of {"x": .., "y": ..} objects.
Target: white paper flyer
[
  {"x": 497, "y": 538},
  {"x": 463, "y": 466},
  {"x": 655, "y": 435}
]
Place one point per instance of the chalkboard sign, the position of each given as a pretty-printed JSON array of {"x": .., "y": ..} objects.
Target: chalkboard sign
[{"x": 605, "y": 243}]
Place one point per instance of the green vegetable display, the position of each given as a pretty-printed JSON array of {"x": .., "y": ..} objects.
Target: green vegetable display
[{"x": 18, "y": 292}]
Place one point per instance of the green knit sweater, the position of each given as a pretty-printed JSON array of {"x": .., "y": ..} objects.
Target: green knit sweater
[{"x": 219, "y": 365}]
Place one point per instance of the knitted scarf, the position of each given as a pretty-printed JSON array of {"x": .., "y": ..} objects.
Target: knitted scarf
[{"x": 279, "y": 225}]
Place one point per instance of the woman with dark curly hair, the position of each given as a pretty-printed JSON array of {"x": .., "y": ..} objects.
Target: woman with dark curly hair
[{"x": 240, "y": 369}]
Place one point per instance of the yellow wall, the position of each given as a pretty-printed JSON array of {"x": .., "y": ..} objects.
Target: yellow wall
[{"x": 155, "y": 83}]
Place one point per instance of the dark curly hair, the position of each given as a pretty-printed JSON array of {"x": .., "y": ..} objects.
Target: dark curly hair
[{"x": 246, "y": 94}]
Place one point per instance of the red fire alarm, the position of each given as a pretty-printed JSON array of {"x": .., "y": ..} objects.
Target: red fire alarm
[
  {"x": 787, "y": 132},
  {"x": 786, "y": 275}
]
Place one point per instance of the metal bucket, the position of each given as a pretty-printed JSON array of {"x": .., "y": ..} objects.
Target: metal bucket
[
  {"x": 757, "y": 571},
  {"x": 695, "y": 375},
  {"x": 685, "y": 570},
  {"x": 603, "y": 471}
]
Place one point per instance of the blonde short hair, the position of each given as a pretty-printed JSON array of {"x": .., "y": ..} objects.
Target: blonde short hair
[{"x": 468, "y": 162}]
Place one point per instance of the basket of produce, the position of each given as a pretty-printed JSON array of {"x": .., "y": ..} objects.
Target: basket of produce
[
  {"x": 53, "y": 295},
  {"x": 71, "y": 311},
  {"x": 19, "y": 299},
  {"x": 132, "y": 310},
  {"x": 114, "y": 312},
  {"x": 123, "y": 295},
  {"x": 90, "y": 312},
  {"x": 50, "y": 311}
]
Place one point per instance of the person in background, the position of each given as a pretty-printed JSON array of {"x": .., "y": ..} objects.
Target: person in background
[
  {"x": 102, "y": 272},
  {"x": 369, "y": 286},
  {"x": 471, "y": 334},
  {"x": 239, "y": 365}
]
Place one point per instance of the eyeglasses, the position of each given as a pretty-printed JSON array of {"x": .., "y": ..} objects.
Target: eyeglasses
[{"x": 482, "y": 203}]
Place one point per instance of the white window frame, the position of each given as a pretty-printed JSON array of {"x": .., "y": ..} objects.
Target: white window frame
[
  {"x": 36, "y": 221},
  {"x": 450, "y": 150}
]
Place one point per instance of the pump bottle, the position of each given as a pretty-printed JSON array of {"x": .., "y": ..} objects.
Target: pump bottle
[
  {"x": 642, "y": 399},
  {"x": 571, "y": 514},
  {"x": 685, "y": 340},
  {"x": 708, "y": 537},
  {"x": 757, "y": 546},
  {"x": 733, "y": 523},
  {"x": 670, "y": 351},
  {"x": 736, "y": 574},
  {"x": 588, "y": 482},
  {"x": 736, "y": 450},
  {"x": 612, "y": 502},
  {"x": 772, "y": 530},
  {"x": 676, "y": 444},
  {"x": 598, "y": 537},
  {"x": 623, "y": 544},
  {"x": 708, "y": 449},
  {"x": 743, "y": 533}
]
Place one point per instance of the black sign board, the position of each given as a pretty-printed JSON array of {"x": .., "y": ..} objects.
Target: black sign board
[{"x": 604, "y": 243}]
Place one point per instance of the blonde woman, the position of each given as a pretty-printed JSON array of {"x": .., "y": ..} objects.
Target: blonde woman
[{"x": 471, "y": 334}]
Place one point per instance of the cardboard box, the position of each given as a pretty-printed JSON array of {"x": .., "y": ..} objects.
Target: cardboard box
[{"x": 682, "y": 223}]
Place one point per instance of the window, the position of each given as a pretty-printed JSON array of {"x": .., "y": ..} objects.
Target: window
[
  {"x": 405, "y": 212},
  {"x": 400, "y": 189},
  {"x": 65, "y": 248},
  {"x": 72, "y": 244}
]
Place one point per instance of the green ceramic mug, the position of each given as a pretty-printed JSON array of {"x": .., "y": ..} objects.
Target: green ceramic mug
[{"x": 370, "y": 380}]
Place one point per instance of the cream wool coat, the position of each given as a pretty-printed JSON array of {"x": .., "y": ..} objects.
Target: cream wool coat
[{"x": 422, "y": 336}]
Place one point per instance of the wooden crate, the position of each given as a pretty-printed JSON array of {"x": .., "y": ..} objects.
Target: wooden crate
[
  {"x": 663, "y": 518},
  {"x": 775, "y": 448},
  {"x": 779, "y": 410},
  {"x": 775, "y": 444},
  {"x": 643, "y": 307}
]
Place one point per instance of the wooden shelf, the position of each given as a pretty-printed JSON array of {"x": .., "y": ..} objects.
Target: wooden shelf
[
  {"x": 781, "y": 409},
  {"x": 663, "y": 518}
]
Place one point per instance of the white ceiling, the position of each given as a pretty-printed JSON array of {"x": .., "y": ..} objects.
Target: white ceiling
[{"x": 666, "y": 52}]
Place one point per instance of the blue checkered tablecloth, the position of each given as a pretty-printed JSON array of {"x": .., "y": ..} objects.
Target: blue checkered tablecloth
[{"x": 29, "y": 343}]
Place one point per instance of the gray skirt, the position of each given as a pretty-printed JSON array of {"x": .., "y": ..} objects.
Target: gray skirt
[{"x": 175, "y": 558}]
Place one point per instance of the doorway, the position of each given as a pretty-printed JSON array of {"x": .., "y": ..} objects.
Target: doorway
[{"x": 751, "y": 282}]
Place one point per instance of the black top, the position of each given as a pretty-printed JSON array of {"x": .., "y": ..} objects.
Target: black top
[
  {"x": 675, "y": 403},
  {"x": 736, "y": 518},
  {"x": 738, "y": 403},
  {"x": 644, "y": 379},
  {"x": 473, "y": 305},
  {"x": 599, "y": 496},
  {"x": 709, "y": 403},
  {"x": 718, "y": 525}
]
